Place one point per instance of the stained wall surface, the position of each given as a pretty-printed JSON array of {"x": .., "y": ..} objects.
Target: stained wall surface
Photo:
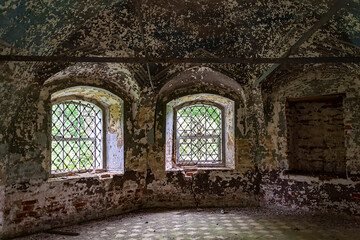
[
  {"x": 317, "y": 191},
  {"x": 31, "y": 199}
]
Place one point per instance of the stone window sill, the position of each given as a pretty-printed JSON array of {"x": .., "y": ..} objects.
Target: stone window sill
[
  {"x": 220, "y": 168},
  {"x": 72, "y": 176}
]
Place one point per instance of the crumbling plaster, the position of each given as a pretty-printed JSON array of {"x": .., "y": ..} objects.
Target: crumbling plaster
[
  {"x": 260, "y": 157},
  {"x": 312, "y": 192},
  {"x": 32, "y": 201},
  {"x": 144, "y": 158}
]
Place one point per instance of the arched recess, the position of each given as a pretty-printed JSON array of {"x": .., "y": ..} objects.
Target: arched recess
[
  {"x": 199, "y": 81},
  {"x": 115, "y": 77},
  {"x": 310, "y": 84},
  {"x": 108, "y": 85}
]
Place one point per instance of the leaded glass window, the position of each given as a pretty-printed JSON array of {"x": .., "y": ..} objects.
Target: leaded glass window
[
  {"x": 76, "y": 136},
  {"x": 199, "y": 135}
]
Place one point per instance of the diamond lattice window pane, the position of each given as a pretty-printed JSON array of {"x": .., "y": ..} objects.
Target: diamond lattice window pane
[
  {"x": 199, "y": 134},
  {"x": 76, "y": 136}
]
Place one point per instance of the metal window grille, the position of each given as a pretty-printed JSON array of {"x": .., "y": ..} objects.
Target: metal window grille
[
  {"x": 76, "y": 136},
  {"x": 199, "y": 135}
]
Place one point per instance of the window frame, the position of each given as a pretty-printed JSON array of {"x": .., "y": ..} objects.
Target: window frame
[
  {"x": 176, "y": 140},
  {"x": 113, "y": 108},
  {"x": 103, "y": 124},
  {"x": 228, "y": 118}
]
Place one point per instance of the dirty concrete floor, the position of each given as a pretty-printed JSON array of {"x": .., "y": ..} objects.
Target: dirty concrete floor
[{"x": 246, "y": 223}]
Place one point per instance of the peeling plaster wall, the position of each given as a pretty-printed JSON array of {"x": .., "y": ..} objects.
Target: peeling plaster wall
[
  {"x": 2, "y": 199},
  {"x": 30, "y": 200},
  {"x": 2, "y": 178},
  {"x": 312, "y": 192},
  {"x": 17, "y": 93},
  {"x": 35, "y": 201},
  {"x": 237, "y": 187},
  {"x": 43, "y": 204}
]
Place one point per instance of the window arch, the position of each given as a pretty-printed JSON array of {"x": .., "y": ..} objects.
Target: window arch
[
  {"x": 200, "y": 132},
  {"x": 87, "y": 131},
  {"x": 77, "y": 136}
]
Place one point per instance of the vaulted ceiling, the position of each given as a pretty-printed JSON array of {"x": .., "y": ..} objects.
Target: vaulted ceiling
[{"x": 170, "y": 28}]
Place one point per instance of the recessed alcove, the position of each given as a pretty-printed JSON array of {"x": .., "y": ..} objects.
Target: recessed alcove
[{"x": 315, "y": 135}]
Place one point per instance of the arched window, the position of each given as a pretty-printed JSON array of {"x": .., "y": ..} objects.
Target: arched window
[
  {"x": 87, "y": 131},
  {"x": 199, "y": 134},
  {"x": 77, "y": 136}
]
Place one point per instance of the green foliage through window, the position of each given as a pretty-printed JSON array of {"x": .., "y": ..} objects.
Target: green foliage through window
[
  {"x": 199, "y": 134},
  {"x": 76, "y": 136}
]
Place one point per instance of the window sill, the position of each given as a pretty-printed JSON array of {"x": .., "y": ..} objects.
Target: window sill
[
  {"x": 194, "y": 169},
  {"x": 319, "y": 175},
  {"x": 99, "y": 175},
  {"x": 318, "y": 178}
]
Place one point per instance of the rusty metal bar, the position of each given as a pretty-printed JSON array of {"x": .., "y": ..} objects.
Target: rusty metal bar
[{"x": 143, "y": 60}]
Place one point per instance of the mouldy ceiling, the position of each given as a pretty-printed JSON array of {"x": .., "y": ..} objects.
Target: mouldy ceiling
[{"x": 225, "y": 28}]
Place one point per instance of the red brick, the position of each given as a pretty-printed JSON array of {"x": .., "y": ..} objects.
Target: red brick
[
  {"x": 356, "y": 196},
  {"x": 32, "y": 214},
  {"x": 30, "y": 202},
  {"x": 190, "y": 169},
  {"x": 79, "y": 204},
  {"x": 21, "y": 215},
  {"x": 28, "y": 207}
]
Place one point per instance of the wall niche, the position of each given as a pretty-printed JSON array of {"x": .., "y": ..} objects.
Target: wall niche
[{"x": 315, "y": 135}]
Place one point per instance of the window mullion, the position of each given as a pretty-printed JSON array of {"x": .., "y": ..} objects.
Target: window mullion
[
  {"x": 78, "y": 132},
  {"x": 63, "y": 135},
  {"x": 94, "y": 141}
]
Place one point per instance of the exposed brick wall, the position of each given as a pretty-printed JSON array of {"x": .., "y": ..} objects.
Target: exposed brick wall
[
  {"x": 46, "y": 204},
  {"x": 315, "y": 136},
  {"x": 310, "y": 193},
  {"x": 34, "y": 203},
  {"x": 335, "y": 123}
]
